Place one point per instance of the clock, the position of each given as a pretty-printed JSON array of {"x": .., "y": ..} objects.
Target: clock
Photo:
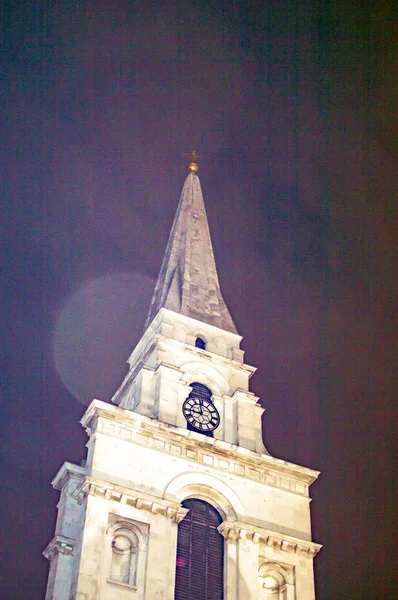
[{"x": 201, "y": 414}]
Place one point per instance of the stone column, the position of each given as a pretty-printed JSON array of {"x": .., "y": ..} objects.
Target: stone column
[
  {"x": 61, "y": 550},
  {"x": 167, "y": 393},
  {"x": 162, "y": 551},
  {"x": 248, "y": 565},
  {"x": 246, "y": 402},
  {"x": 230, "y": 419},
  {"x": 241, "y": 561}
]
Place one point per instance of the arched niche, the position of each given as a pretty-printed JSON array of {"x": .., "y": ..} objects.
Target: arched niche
[
  {"x": 126, "y": 542},
  {"x": 122, "y": 523},
  {"x": 277, "y": 581},
  {"x": 124, "y": 559}
]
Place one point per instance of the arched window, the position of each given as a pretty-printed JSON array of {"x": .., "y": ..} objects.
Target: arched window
[
  {"x": 200, "y": 343},
  {"x": 200, "y": 554},
  {"x": 124, "y": 556},
  {"x": 200, "y": 391}
]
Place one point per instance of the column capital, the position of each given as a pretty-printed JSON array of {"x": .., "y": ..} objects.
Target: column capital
[{"x": 59, "y": 545}]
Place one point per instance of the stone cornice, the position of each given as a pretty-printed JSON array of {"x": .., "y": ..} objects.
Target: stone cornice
[
  {"x": 153, "y": 504},
  {"x": 145, "y": 341},
  {"x": 217, "y": 359},
  {"x": 68, "y": 472},
  {"x": 59, "y": 545},
  {"x": 166, "y": 313},
  {"x": 195, "y": 447},
  {"x": 285, "y": 543},
  {"x": 135, "y": 367},
  {"x": 245, "y": 396}
]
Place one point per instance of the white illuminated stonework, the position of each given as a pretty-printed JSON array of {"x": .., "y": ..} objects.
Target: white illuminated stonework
[{"x": 116, "y": 533}]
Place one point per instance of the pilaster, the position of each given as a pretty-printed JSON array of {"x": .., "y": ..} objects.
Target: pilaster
[
  {"x": 230, "y": 419},
  {"x": 168, "y": 377},
  {"x": 248, "y": 565},
  {"x": 61, "y": 551}
]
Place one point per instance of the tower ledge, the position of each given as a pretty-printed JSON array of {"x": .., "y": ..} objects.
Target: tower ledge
[{"x": 172, "y": 439}]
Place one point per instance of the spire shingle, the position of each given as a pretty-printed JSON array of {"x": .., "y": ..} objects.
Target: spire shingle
[{"x": 188, "y": 281}]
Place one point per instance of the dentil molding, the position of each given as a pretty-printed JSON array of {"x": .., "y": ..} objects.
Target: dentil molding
[
  {"x": 238, "y": 531},
  {"x": 94, "y": 487}
]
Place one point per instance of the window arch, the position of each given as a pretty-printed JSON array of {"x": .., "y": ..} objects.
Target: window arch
[
  {"x": 200, "y": 554},
  {"x": 125, "y": 546},
  {"x": 200, "y": 343},
  {"x": 200, "y": 390}
]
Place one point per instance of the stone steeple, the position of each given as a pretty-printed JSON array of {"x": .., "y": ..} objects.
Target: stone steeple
[
  {"x": 184, "y": 442},
  {"x": 188, "y": 281}
]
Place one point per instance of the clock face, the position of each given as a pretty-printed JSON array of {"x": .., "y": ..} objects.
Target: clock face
[{"x": 201, "y": 414}]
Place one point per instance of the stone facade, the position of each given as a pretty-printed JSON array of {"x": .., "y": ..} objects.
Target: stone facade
[{"x": 116, "y": 533}]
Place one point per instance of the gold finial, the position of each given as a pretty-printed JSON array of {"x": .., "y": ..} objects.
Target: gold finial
[{"x": 193, "y": 166}]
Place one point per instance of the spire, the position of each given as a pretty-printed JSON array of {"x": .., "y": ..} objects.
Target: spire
[{"x": 188, "y": 281}]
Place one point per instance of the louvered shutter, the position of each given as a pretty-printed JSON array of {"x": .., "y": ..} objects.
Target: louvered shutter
[{"x": 200, "y": 554}]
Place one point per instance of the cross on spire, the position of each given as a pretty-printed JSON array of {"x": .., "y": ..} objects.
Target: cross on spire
[{"x": 193, "y": 157}]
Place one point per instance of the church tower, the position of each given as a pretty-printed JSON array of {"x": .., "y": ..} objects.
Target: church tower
[{"x": 178, "y": 498}]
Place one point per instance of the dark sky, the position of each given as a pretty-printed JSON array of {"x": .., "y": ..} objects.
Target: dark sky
[{"x": 292, "y": 106}]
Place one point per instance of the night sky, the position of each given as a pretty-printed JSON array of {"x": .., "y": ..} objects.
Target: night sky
[{"x": 291, "y": 105}]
